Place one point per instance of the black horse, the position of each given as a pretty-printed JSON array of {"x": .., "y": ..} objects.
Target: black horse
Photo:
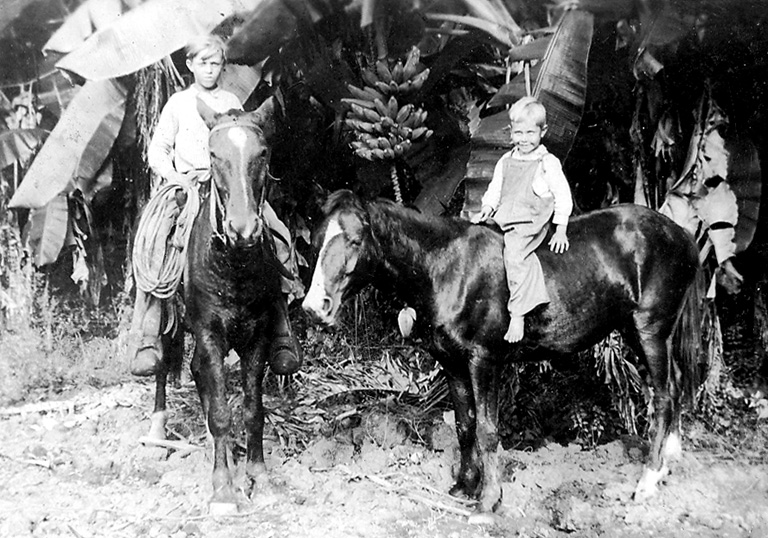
[
  {"x": 628, "y": 268},
  {"x": 232, "y": 293}
]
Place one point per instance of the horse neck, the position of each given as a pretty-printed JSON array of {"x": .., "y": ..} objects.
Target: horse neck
[
  {"x": 404, "y": 247},
  {"x": 227, "y": 261}
]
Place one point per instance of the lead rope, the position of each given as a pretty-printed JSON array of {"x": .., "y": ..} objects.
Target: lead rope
[{"x": 158, "y": 261}]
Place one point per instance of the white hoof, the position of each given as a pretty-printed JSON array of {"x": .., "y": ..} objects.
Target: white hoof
[
  {"x": 222, "y": 509},
  {"x": 157, "y": 425},
  {"x": 647, "y": 487},
  {"x": 481, "y": 518}
]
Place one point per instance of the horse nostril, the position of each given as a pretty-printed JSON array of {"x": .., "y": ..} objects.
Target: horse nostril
[
  {"x": 326, "y": 305},
  {"x": 243, "y": 230}
]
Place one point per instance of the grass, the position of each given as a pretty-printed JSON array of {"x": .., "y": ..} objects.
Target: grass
[{"x": 365, "y": 361}]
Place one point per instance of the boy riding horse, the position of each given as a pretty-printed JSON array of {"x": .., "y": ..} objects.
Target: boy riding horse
[{"x": 178, "y": 153}]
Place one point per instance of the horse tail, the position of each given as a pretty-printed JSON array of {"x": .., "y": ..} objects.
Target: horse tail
[{"x": 688, "y": 358}]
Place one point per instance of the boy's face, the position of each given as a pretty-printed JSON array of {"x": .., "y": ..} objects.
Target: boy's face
[
  {"x": 527, "y": 134},
  {"x": 206, "y": 68}
]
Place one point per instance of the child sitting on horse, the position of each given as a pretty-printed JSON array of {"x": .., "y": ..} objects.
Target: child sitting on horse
[
  {"x": 528, "y": 189},
  {"x": 179, "y": 154}
]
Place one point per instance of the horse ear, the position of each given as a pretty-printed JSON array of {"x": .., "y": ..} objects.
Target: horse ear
[
  {"x": 265, "y": 116},
  {"x": 207, "y": 113}
]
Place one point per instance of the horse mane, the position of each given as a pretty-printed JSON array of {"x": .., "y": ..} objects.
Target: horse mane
[
  {"x": 342, "y": 199},
  {"x": 240, "y": 117}
]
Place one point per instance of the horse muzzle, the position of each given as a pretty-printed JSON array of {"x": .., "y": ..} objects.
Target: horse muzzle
[
  {"x": 319, "y": 306},
  {"x": 243, "y": 232}
]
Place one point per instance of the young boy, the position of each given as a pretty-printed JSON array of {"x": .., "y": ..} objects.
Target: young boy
[
  {"x": 178, "y": 153},
  {"x": 528, "y": 187}
]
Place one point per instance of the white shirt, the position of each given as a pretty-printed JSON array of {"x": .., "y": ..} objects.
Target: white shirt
[
  {"x": 550, "y": 181},
  {"x": 180, "y": 140}
]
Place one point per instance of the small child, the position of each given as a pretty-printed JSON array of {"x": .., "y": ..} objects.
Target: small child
[
  {"x": 179, "y": 154},
  {"x": 528, "y": 187}
]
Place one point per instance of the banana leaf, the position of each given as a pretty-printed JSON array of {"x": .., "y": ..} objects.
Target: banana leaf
[
  {"x": 90, "y": 16},
  {"x": 562, "y": 84},
  {"x": 515, "y": 88},
  {"x": 92, "y": 185},
  {"x": 608, "y": 9},
  {"x": 745, "y": 179},
  {"x": 269, "y": 25},
  {"x": 77, "y": 146},
  {"x": 148, "y": 33},
  {"x": 661, "y": 26},
  {"x": 535, "y": 50},
  {"x": 495, "y": 10},
  {"x": 48, "y": 230},
  {"x": 19, "y": 145},
  {"x": 240, "y": 79},
  {"x": 11, "y": 10},
  {"x": 502, "y": 35}
]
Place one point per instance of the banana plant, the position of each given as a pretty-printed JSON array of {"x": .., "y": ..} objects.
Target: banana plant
[{"x": 386, "y": 129}]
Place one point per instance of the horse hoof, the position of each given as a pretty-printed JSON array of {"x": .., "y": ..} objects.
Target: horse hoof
[
  {"x": 647, "y": 486},
  {"x": 218, "y": 508},
  {"x": 157, "y": 426},
  {"x": 481, "y": 518},
  {"x": 458, "y": 491}
]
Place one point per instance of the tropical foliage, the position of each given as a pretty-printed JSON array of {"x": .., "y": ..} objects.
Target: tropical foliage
[{"x": 400, "y": 98}]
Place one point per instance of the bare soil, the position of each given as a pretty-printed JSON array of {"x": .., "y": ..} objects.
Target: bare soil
[{"x": 73, "y": 467}]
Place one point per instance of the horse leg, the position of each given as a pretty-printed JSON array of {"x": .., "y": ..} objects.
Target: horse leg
[
  {"x": 468, "y": 479},
  {"x": 159, "y": 414},
  {"x": 665, "y": 443},
  {"x": 484, "y": 373},
  {"x": 208, "y": 372},
  {"x": 252, "y": 371},
  {"x": 454, "y": 363}
]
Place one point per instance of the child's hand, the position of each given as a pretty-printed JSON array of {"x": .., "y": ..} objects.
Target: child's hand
[
  {"x": 485, "y": 212},
  {"x": 559, "y": 242}
]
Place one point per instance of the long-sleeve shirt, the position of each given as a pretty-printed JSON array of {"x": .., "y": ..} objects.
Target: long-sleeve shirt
[
  {"x": 180, "y": 140},
  {"x": 549, "y": 181}
]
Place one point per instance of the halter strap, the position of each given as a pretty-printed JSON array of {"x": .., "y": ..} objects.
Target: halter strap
[{"x": 230, "y": 124}]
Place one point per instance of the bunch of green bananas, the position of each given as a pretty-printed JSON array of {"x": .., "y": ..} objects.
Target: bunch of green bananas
[{"x": 384, "y": 128}]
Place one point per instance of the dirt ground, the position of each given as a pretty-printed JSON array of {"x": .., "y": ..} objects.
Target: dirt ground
[{"x": 73, "y": 467}]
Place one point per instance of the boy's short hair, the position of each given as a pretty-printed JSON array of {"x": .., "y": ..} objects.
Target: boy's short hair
[
  {"x": 203, "y": 43},
  {"x": 528, "y": 108}
]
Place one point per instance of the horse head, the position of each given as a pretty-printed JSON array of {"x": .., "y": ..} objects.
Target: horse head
[
  {"x": 240, "y": 151},
  {"x": 344, "y": 245}
]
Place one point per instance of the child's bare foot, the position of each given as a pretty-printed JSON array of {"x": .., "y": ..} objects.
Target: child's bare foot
[{"x": 516, "y": 329}]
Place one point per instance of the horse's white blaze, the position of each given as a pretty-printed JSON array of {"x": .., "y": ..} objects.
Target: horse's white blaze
[
  {"x": 239, "y": 138},
  {"x": 316, "y": 295}
]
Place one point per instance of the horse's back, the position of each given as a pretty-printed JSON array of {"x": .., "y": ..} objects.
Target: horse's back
[{"x": 622, "y": 260}]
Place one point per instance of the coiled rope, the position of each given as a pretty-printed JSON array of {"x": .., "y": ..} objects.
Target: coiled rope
[{"x": 159, "y": 260}]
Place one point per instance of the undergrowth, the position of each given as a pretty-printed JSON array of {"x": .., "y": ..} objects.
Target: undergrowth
[{"x": 363, "y": 367}]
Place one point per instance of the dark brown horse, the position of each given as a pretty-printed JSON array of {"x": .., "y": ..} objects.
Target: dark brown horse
[
  {"x": 628, "y": 268},
  {"x": 232, "y": 292}
]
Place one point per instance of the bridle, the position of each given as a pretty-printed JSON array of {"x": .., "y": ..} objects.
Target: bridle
[{"x": 216, "y": 203}]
